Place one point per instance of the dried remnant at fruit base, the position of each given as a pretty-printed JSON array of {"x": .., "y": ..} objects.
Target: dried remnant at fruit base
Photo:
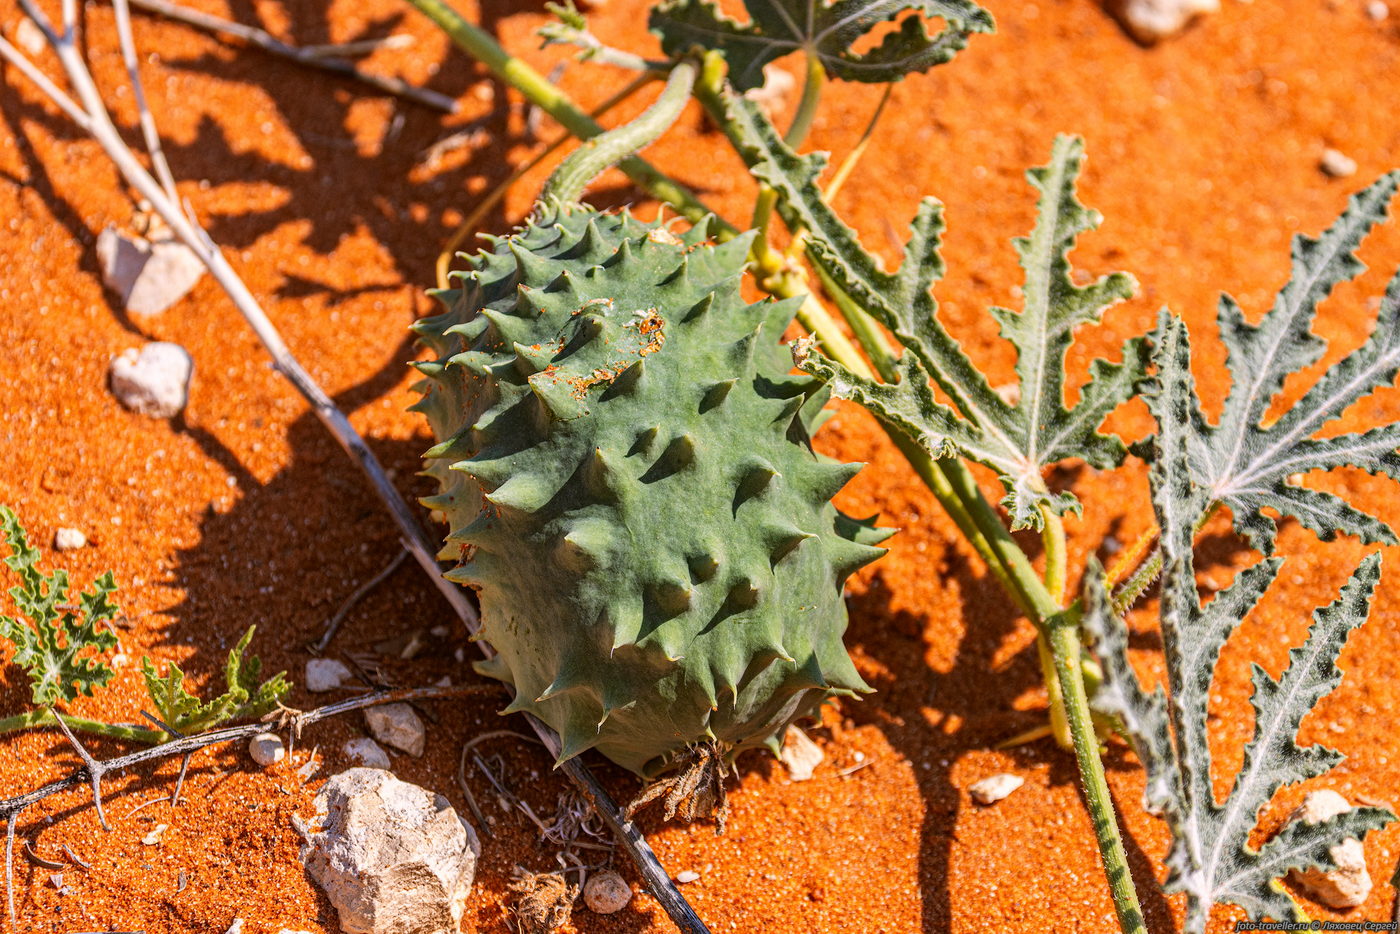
[{"x": 626, "y": 467}]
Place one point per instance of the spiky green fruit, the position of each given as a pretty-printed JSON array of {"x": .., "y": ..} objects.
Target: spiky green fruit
[{"x": 626, "y": 466}]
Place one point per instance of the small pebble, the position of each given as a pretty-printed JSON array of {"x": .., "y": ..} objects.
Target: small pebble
[
  {"x": 398, "y": 726},
  {"x": 148, "y": 276},
  {"x": 1150, "y": 21},
  {"x": 153, "y": 381},
  {"x": 686, "y": 876},
  {"x": 266, "y": 749},
  {"x": 993, "y": 789},
  {"x": 606, "y": 892},
  {"x": 325, "y": 674},
  {"x": 236, "y": 927},
  {"x": 30, "y": 37},
  {"x": 1377, "y": 10},
  {"x": 1336, "y": 164},
  {"x": 1349, "y": 884},
  {"x": 366, "y": 752},
  {"x": 68, "y": 539},
  {"x": 153, "y": 838}
]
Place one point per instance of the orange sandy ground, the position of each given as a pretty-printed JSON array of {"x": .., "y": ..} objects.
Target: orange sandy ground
[{"x": 1203, "y": 158}]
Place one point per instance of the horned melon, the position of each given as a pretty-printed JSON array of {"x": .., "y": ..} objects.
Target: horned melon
[{"x": 626, "y": 467}]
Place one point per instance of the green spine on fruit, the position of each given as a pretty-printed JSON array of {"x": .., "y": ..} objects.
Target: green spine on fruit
[{"x": 626, "y": 467}]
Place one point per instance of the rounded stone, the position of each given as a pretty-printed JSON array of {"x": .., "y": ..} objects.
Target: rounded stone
[
  {"x": 267, "y": 749},
  {"x": 606, "y": 892}
]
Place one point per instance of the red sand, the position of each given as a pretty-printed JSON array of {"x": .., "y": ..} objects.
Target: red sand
[{"x": 1203, "y": 158}]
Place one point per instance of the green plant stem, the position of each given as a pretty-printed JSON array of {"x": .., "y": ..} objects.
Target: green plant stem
[
  {"x": 768, "y": 263},
  {"x": 541, "y": 92},
  {"x": 1065, "y": 647},
  {"x": 955, "y": 488},
  {"x": 38, "y": 718},
  {"x": 808, "y": 105},
  {"x": 1052, "y": 534},
  {"x": 597, "y": 154}
]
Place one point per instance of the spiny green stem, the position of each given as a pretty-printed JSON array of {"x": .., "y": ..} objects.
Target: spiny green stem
[
  {"x": 1064, "y": 644},
  {"x": 597, "y": 154},
  {"x": 38, "y": 718},
  {"x": 480, "y": 45},
  {"x": 808, "y": 105}
]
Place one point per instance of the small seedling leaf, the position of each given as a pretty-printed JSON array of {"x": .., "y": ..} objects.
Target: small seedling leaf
[
  {"x": 59, "y": 650},
  {"x": 828, "y": 31},
  {"x": 1210, "y": 857},
  {"x": 244, "y": 696},
  {"x": 1247, "y": 464}
]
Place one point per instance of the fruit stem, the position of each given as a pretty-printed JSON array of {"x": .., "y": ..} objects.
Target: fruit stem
[{"x": 596, "y": 155}]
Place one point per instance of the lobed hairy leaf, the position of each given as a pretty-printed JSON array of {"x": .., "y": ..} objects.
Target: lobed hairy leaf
[
  {"x": 59, "y": 649},
  {"x": 245, "y": 695},
  {"x": 1210, "y": 858},
  {"x": 1017, "y": 440},
  {"x": 1247, "y": 464},
  {"x": 825, "y": 30}
]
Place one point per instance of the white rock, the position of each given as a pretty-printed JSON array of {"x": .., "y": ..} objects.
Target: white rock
[
  {"x": 992, "y": 789},
  {"x": 606, "y": 892},
  {"x": 325, "y": 674},
  {"x": 154, "y": 381},
  {"x": 687, "y": 876},
  {"x": 148, "y": 275},
  {"x": 68, "y": 539},
  {"x": 1348, "y": 885},
  {"x": 1149, "y": 21},
  {"x": 236, "y": 927},
  {"x": 1336, "y": 164},
  {"x": 392, "y": 858},
  {"x": 398, "y": 726},
  {"x": 30, "y": 37},
  {"x": 1377, "y": 10},
  {"x": 267, "y": 749},
  {"x": 799, "y": 754},
  {"x": 366, "y": 752}
]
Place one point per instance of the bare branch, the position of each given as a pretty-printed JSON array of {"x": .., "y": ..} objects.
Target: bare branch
[{"x": 95, "y": 769}]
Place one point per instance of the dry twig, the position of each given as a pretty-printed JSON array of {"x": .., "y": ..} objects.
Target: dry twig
[{"x": 360, "y": 592}]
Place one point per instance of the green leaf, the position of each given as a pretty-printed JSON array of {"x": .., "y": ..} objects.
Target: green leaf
[
  {"x": 825, "y": 30},
  {"x": 1248, "y": 464},
  {"x": 1017, "y": 440},
  {"x": 1210, "y": 857},
  {"x": 245, "y": 696},
  {"x": 58, "y": 649}
]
